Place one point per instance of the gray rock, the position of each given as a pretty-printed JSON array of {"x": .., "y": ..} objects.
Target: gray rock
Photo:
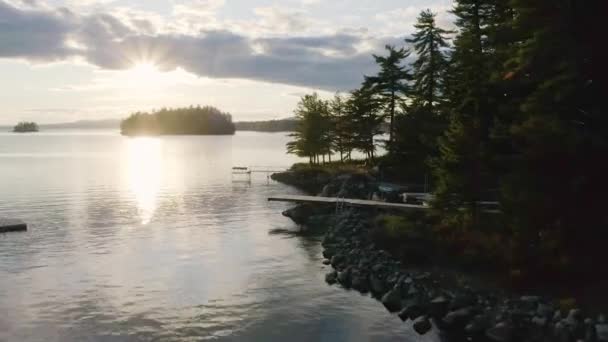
[
  {"x": 574, "y": 316},
  {"x": 602, "y": 331},
  {"x": 413, "y": 291},
  {"x": 377, "y": 285},
  {"x": 462, "y": 301},
  {"x": 438, "y": 307},
  {"x": 544, "y": 310},
  {"x": 378, "y": 269},
  {"x": 326, "y": 262},
  {"x": 344, "y": 278},
  {"x": 561, "y": 333},
  {"x": 540, "y": 321},
  {"x": 337, "y": 260},
  {"x": 360, "y": 283},
  {"x": 411, "y": 311},
  {"x": 590, "y": 332},
  {"x": 392, "y": 300},
  {"x": 331, "y": 277},
  {"x": 458, "y": 319},
  {"x": 557, "y": 316},
  {"x": 501, "y": 332},
  {"x": 422, "y": 325},
  {"x": 478, "y": 325}
]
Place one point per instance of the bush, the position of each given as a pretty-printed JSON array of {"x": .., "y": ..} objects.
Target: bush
[{"x": 406, "y": 237}]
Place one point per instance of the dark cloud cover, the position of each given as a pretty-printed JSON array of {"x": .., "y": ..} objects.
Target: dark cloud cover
[{"x": 330, "y": 62}]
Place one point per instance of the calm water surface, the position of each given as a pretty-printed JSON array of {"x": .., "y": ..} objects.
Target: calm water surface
[{"x": 151, "y": 239}]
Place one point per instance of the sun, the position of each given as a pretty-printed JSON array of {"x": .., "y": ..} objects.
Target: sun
[{"x": 144, "y": 72}]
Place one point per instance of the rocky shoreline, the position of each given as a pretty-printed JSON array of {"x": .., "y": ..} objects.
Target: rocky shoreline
[{"x": 426, "y": 299}]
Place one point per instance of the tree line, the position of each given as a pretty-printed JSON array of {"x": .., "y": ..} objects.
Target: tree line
[
  {"x": 506, "y": 107},
  {"x": 26, "y": 126},
  {"x": 179, "y": 121}
]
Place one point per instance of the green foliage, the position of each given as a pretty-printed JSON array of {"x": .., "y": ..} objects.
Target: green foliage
[
  {"x": 313, "y": 131},
  {"x": 463, "y": 169},
  {"x": 390, "y": 85},
  {"x": 557, "y": 174},
  {"x": 364, "y": 117},
  {"x": 515, "y": 116},
  {"x": 430, "y": 43},
  {"x": 24, "y": 127},
  {"x": 179, "y": 121},
  {"x": 283, "y": 125},
  {"x": 423, "y": 122}
]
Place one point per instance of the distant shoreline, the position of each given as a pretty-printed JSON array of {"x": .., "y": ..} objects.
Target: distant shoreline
[{"x": 266, "y": 126}]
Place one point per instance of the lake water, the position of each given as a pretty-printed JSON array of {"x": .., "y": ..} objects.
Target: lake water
[{"x": 152, "y": 239}]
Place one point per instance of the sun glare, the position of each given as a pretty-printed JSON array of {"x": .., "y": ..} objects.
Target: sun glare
[{"x": 145, "y": 72}]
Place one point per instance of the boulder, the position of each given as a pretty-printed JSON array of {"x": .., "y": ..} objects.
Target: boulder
[
  {"x": 602, "y": 331},
  {"x": 344, "y": 278},
  {"x": 422, "y": 325},
  {"x": 438, "y": 307},
  {"x": 501, "y": 332},
  {"x": 411, "y": 311},
  {"x": 392, "y": 300},
  {"x": 359, "y": 282},
  {"x": 478, "y": 325},
  {"x": 462, "y": 301},
  {"x": 377, "y": 285},
  {"x": 331, "y": 277},
  {"x": 458, "y": 319}
]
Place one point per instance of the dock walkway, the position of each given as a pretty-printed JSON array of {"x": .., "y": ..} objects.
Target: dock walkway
[{"x": 346, "y": 201}]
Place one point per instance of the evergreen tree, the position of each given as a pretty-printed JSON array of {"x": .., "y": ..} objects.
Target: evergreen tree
[
  {"x": 419, "y": 126},
  {"x": 313, "y": 129},
  {"x": 341, "y": 133},
  {"x": 391, "y": 83},
  {"x": 364, "y": 113},
  {"x": 429, "y": 43},
  {"x": 463, "y": 169},
  {"x": 557, "y": 177}
]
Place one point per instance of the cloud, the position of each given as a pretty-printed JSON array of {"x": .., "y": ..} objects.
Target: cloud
[
  {"x": 118, "y": 41},
  {"x": 34, "y": 34}
]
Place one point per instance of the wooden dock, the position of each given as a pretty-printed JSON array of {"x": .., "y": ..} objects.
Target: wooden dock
[
  {"x": 346, "y": 202},
  {"x": 12, "y": 225}
]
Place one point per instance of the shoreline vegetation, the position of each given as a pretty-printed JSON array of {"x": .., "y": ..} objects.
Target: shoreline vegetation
[
  {"x": 179, "y": 121},
  {"x": 476, "y": 117},
  {"x": 26, "y": 127},
  {"x": 271, "y": 126},
  {"x": 401, "y": 261},
  {"x": 499, "y": 112}
]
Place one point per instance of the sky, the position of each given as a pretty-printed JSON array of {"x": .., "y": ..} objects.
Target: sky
[{"x": 68, "y": 60}]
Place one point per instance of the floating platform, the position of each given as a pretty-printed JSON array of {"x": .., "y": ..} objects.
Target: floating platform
[
  {"x": 347, "y": 202},
  {"x": 12, "y": 225}
]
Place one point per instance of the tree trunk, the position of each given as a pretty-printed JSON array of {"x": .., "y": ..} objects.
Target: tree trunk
[{"x": 392, "y": 127}]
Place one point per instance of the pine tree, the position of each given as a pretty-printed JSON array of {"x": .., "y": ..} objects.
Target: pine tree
[
  {"x": 365, "y": 117},
  {"x": 429, "y": 43},
  {"x": 463, "y": 169},
  {"x": 391, "y": 83},
  {"x": 341, "y": 135},
  {"x": 558, "y": 172},
  {"x": 311, "y": 135}
]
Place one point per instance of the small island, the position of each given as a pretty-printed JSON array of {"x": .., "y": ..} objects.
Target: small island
[
  {"x": 26, "y": 127},
  {"x": 179, "y": 121}
]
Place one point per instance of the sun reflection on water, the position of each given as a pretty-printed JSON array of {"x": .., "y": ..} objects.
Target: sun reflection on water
[{"x": 145, "y": 172}]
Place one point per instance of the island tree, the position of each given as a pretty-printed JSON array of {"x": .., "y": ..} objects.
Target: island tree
[
  {"x": 24, "y": 127},
  {"x": 179, "y": 121}
]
